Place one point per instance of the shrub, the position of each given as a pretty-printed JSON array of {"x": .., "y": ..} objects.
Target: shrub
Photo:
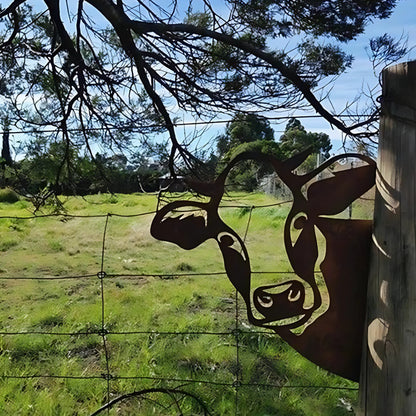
[
  {"x": 8, "y": 195},
  {"x": 184, "y": 267},
  {"x": 7, "y": 243}
]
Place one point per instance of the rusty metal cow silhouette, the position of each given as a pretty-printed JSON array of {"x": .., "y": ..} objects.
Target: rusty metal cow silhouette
[{"x": 333, "y": 340}]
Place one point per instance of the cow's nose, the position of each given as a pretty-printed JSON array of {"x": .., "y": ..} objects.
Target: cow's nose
[{"x": 282, "y": 301}]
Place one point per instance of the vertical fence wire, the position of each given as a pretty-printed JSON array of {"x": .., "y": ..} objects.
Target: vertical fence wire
[
  {"x": 237, "y": 355},
  {"x": 102, "y": 274},
  {"x": 237, "y": 328}
]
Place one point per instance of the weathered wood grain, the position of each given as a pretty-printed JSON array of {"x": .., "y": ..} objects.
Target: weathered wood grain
[{"x": 388, "y": 375}]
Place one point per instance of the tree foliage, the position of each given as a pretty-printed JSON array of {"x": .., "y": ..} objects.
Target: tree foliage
[
  {"x": 52, "y": 168},
  {"x": 254, "y": 133},
  {"x": 246, "y": 132},
  {"x": 125, "y": 66},
  {"x": 244, "y": 128},
  {"x": 295, "y": 139}
]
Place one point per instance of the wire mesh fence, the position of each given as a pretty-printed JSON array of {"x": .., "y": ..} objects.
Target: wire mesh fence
[{"x": 101, "y": 319}]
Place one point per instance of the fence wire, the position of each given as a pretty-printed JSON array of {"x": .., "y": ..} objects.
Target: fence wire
[
  {"x": 276, "y": 119},
  {"x": 107, "y": 373}
]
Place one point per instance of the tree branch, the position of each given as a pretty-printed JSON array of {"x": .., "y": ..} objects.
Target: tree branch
[
  {"x": 120, "y": 19},
  {"x": 16, "y": 27},
  {"x": 141, "y": 28},
  {"x": 12, "y": 7}
]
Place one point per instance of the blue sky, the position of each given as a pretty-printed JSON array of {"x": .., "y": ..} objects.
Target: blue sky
[
  {"x": 348, "y": 86},
  {"x": 359, "y": 77}
]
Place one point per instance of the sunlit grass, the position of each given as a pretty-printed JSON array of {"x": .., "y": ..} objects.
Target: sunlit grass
[{"x": 151, "y": 286}]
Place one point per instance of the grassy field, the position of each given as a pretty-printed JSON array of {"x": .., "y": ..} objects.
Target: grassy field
[{"x": 55, "y": 357}]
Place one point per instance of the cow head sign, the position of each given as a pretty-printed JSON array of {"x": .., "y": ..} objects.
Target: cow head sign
[{"x": 332, "y": 340}]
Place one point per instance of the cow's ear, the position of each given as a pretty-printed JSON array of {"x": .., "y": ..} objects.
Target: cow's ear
[
  {"x": 333, "y": 195},
  {"x": 295, "y": 161},
  {"x": 182, "y": 224}
]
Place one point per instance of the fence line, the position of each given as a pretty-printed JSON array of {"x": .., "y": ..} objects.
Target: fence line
[
  {"x": 102, "y": 331},
  {"x": 175, "y": 124}
]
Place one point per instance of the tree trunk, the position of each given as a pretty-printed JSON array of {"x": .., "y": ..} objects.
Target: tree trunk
[
  {"x": 5, "y": 150},
  {"x": 388, "y": 374}
]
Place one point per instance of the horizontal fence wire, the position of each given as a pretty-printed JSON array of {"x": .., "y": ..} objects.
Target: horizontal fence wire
[
  {"x": 139, "y": 276},
  {"x": 64, "y": 216},
  {"x": 108, "y": 375},
  {"x": 178, "y": 380},
  {"x": 277, "y": 119}
]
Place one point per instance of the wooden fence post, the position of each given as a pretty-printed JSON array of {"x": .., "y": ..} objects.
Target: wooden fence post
[{"x": 388, "y": 375}]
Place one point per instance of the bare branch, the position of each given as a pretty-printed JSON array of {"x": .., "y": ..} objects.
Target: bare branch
[
  {"x": 271, "y": 58},
  {"x": 11, "y": 8},
  {"x": 16, "y": 27}
]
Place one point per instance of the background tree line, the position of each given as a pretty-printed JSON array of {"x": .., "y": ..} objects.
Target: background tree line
[{"x": 80, "y": 174}]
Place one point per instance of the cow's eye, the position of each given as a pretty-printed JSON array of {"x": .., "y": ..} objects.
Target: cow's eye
[
  {"x": 300, "y": 222},
  {"x": 297, "y": 225},
  {"x": 226, "y": 239}
]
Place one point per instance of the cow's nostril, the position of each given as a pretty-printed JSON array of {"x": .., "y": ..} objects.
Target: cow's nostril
[
  {"x": 265, "y": 301},
  {"x": 294, "y": 295}
]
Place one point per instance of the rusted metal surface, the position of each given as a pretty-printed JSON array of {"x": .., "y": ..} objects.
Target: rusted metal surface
[{"x": 333, "y": 339}]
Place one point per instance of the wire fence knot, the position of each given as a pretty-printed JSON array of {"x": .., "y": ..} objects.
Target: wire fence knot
[
  {"x": 101, "y": 275},
  {"x": 107, "y": 376},
  {"x": 103, "y": 332}
]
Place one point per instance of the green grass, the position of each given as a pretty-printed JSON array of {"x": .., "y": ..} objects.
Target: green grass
[{"x": 183, "y": 312}]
